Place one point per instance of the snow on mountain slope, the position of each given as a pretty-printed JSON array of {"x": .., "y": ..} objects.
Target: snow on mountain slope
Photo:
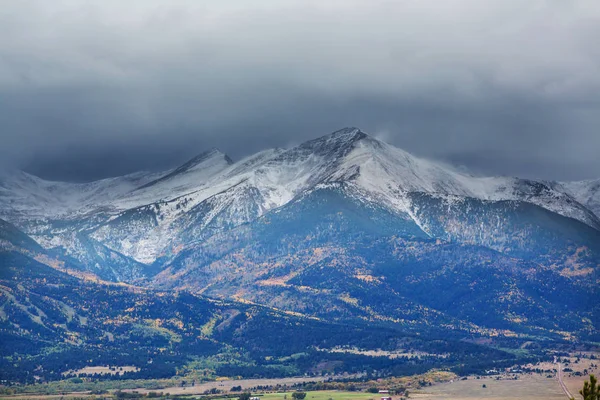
[
  {"x": 585, "y": 192},
  {"x": 148, "y": 231},
  {"x": 25, "y": 195},
  {"x": 163, "y": 229},
  {"x": 190, "y": 176}
]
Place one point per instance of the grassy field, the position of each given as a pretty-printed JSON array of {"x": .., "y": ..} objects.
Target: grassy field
[
  {"x": 323, "y": 395},
  {"x": 526, "y": 387}
]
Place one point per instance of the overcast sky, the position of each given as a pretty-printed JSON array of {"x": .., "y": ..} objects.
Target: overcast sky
[{"x": 90, "y": 89}]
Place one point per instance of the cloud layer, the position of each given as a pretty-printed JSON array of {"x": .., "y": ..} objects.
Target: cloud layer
[{"x": 93, "y": 89}]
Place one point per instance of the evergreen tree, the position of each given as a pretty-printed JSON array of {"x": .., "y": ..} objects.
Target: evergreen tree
[{"x": 590, "y": 389}]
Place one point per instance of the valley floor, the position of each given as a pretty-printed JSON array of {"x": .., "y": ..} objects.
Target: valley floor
[
  {"x": 505, "y": 386},
  {"x": 526, "y": 387}
]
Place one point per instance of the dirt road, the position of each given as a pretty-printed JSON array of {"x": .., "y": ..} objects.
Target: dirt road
[{"x": 559, "y": 375}]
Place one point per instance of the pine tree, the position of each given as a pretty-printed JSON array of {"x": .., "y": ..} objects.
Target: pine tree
[{"x": 590, "y": 389}]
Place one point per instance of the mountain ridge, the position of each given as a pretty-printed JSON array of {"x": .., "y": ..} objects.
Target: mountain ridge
[
  {"x": 352, "y": 197},
  {"x": 338, "y": 145},
  {"x": 196, "y": 196}
]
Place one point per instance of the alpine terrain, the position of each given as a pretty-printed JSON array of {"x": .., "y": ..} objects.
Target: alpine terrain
[{"x": 353, "y": 241}]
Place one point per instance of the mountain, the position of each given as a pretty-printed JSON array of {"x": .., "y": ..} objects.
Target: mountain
[
  {"x": 53, "y": 324},
  {"x": 330, "y": 254},
  {"x": 344, "y": 228}
]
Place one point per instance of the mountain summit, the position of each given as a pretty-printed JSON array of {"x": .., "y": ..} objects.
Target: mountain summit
[{"x": 336, "y": 143}]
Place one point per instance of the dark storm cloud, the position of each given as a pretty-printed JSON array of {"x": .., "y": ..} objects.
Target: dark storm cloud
[{"x": 93, "y": 89}]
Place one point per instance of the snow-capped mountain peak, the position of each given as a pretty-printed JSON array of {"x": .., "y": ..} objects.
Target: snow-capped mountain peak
[{"x": 145, "y": 215}]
